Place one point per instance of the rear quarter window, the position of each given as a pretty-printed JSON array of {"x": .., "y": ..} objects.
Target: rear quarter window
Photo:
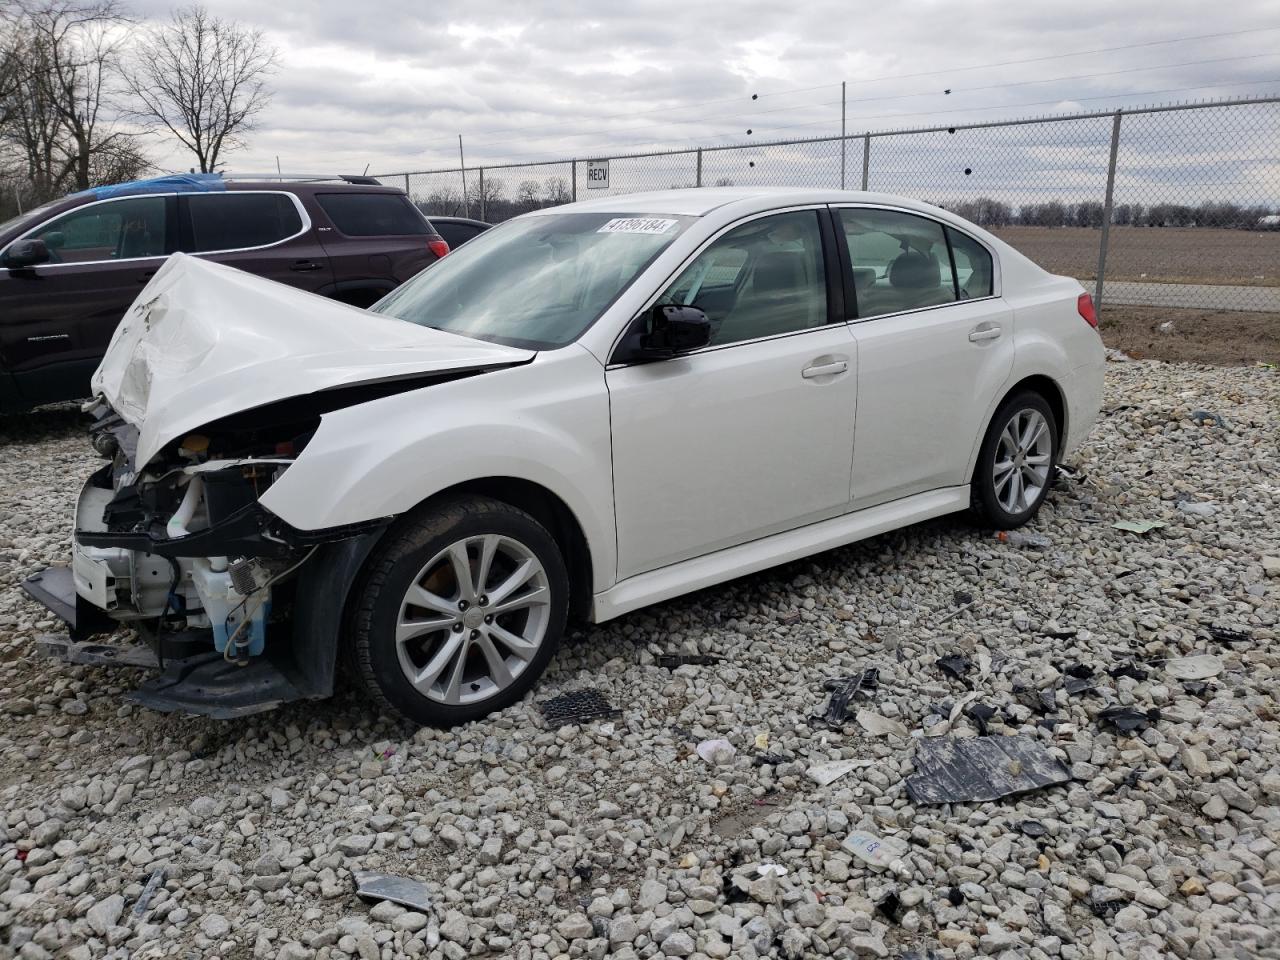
[{"x": 373, "y": 214}]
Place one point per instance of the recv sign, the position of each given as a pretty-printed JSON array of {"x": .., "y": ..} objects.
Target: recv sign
[{"x": 597, "y": 174}]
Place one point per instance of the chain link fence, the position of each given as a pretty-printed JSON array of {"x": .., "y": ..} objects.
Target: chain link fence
[{"x": 1165, "y": 206}]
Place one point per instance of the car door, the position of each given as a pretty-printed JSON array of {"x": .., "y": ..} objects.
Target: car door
[
  {"x": 935, "y": 344},
  {"x": 263, "y": 232},
  {"x": 753, "y": 434},
  {"x": 58, "y": 317}
]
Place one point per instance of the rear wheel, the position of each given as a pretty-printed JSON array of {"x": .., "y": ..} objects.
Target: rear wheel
[
  {"x": 1015, "y": 463},
  {"x": 462, "y": 609}
]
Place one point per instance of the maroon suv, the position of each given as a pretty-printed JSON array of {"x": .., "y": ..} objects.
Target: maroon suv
[{"x": 71, "y": 268}]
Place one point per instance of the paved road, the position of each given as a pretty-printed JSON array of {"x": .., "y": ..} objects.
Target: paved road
[{"x": 1202, "y": 296}]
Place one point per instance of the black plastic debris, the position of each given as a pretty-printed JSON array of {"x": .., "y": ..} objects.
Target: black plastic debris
[
  {"x": 891, "y": 908},
  {"x": 1129, "y": 669},
  {"x": 843, "y": 690},
  {"x": 1033, "y": 828},
  {"x": 955, "y": 665},
  {"x": 1228, "y": 635},
  {"x": 672, "y": 660},
  {"x": 1079, "y": 678},
  {"x": 1131, "y": 778},
  {"x": 962, "y": 597},
  {"x": 1126, "y": 720},
  {"x": 1197, "y": 688},
  {"x": 955, "y": 896},
  {"x": 980, "y": 714},
  {"x": 576, "y": 707},
  {"x": 371, "y": 885},
  {"x": 1105, "y": 909},
  {"x": 770, "y": 759},
  {"x": 1203, "y": 417},
  {"x": 583, "y": 871},
  {"x": 149, "y": 891},
  {"x": 1040, "y": 701},
  {"x": 949, "y": 770},
  {"x": 1063, "y": 633}
]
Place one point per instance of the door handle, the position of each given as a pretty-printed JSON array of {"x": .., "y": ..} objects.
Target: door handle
[
  {"x": 824, "y": 369},
  {"x": 978, "y": 334},
  {"x": 304, "y": 265}
]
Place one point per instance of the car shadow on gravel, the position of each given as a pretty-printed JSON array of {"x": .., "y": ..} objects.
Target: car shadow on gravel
[{"x": 43, "y": 423}]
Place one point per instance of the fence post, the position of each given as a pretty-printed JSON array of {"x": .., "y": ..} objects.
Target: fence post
[
  {"x": 699, "y": 182},
  {"x": 406, "y": 186},
  {"x": 573, "y": 176},
  {"x": 1106, "y": 213},
  {"x": 482, "y": 203},
  {"x": 866, "y": 158},
  {"x": 844, "y": 143}
]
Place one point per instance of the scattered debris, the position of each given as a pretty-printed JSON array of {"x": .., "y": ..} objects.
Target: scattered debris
[
  {"x": 371, "y": 885},
  {"x": 770, "y": 759},
  {"x": 577, "y": 707},
  {"x": 1079, "y": 678},
  {"x": 1041, "y": 701},
  {"x": 881, "y": 726},
  {"x": 890, "y": 907},
  {"x": 1129, "y": 669},
  {"x": 1200, "y": 667},
  {"x": 882, "y": 853},
  {"x": 962, "y": 598},
  {"x": 1033, "y": 828},
  {"x": 1228, "y": 635},
  {"x": 771, "y": 870},
  {"x": 1165, "y": 327},
  {"x": 832, "y": 770},
  {"x": 1127, "y": 720},
  {"x": 1197, "y": 688},
  {"x": 949, "y": 770},
  {"x": 1020, "y": 538},
  {"x": 844, "y": 689},
  {"x": 148, "y": 891},
  {"x": 673, "y": 660},
  {"x": 1117, "y": 356},
  {"x": 955, "y": 665},
  {"x": 1138, "y": 526},
  {"x": 1202, "y": 417},
  {"x": 762, "y": 741},
  {"x": 981, "y": 714},
  {"x": 716, "y": 751}
]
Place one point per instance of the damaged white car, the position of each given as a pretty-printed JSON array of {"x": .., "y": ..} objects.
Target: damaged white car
[{"x": 588, "y": 409}]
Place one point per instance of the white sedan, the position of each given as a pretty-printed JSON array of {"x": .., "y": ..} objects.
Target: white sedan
[{"x": 585, "y": 410}]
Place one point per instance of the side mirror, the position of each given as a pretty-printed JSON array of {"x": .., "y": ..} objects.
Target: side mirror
[
  {"x": 26, "y": 253},
  {"x": 672, "y": 330}
]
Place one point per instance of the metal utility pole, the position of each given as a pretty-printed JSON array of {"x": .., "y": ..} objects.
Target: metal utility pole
[
  {"x": 844, "y": 146},
  {"x": 866, "y": 159},
  {"x": 466, "y": 206},
  {"x": 1106, "y": 213}
]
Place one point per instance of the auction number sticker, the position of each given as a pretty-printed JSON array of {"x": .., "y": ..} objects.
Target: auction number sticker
[{"x": 637, "y": 225}]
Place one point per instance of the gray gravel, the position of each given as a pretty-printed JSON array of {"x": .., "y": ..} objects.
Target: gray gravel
[{"x": 616, "y": 839}]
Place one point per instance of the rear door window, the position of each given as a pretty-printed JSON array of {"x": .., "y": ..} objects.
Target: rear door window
[
  {"x": 236, "y": 221},
  {"x": 373, "y": 214},
  {"x": 974, "y": 273},
  {"x": 900, "y": 261},
  {"x": 114, "y": 230}
]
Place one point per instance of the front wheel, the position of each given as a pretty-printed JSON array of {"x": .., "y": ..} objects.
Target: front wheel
[
  {"x": 460, "y": 612},
  {"x": 1015, "y": 463}
]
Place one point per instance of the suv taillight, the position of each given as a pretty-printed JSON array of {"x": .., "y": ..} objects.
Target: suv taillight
[
  {"x": 1084, "y": 304},
  {"x": 439, "y": 247}
]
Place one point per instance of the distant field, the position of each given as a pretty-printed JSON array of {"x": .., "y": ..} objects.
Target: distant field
[{"x": 1155, "y": 254}]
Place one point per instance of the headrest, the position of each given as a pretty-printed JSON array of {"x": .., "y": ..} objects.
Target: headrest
[
  {"x": 782, "y": 270},
  {"x": 914, "y": 271}
]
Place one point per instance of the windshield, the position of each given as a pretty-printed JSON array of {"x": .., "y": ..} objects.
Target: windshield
[
  {"x": 537, "y": 282},
  {"x": 31, "y": 216}
]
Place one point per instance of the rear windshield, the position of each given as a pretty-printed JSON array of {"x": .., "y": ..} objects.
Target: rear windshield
[{"x": 374, "y": 214}]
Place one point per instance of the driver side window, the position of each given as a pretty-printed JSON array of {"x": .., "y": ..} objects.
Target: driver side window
[
  {"x": 117, "y": 230},
  {"x": 761, "y": 279}
]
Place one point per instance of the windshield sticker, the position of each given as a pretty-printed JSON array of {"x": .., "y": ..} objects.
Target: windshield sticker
[{"x": 637, "y": 225}]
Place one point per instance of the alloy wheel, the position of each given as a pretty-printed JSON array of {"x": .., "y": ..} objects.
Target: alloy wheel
[{"x": 1022, "y": 461}]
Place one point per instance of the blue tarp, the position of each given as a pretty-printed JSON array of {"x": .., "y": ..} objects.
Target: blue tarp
[{"x": 172, "y": 183}]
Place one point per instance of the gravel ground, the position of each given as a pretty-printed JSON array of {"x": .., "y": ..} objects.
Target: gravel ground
[{"x": 616, "y": 838}]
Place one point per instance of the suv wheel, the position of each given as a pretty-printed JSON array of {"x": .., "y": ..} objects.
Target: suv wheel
[
  {"x": 460, "y": 612},
  {"x": 1015, "y": 464}
]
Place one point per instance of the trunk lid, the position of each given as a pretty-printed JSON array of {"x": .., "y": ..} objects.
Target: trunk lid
[{"x": 204, "y": 341}]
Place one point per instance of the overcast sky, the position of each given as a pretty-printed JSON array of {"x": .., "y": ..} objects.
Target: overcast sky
[{"x": 391, "y": 83}]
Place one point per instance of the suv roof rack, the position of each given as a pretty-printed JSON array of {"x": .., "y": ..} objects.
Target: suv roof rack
[{"x": 305, "y": 177}]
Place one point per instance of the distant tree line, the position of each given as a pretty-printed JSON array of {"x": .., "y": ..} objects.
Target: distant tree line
[{"x": 987, "y": 212}]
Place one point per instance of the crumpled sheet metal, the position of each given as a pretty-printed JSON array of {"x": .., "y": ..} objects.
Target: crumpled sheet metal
[
  {"x": 951, "y": 770},
  {"x": 371, "y": 885}
]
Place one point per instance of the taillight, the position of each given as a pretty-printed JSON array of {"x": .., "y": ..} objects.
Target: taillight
[
  {"x": 439, "y": 247},
  {"x": 1084, "y": 303}
]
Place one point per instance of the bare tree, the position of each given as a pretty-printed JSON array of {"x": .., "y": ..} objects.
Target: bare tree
[
  {"x": 527, "y": 193},
  {"x": 204, "y": 80},
  {"x": 59, "y": 118},
  {"x": 558, "y": 191}
]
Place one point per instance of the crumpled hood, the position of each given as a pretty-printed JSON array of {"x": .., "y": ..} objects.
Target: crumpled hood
[{"x": 204, "y": 340}]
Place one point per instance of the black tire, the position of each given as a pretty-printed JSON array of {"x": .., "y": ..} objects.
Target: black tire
[
  {"x": 390, "y": 571},
  {"x": 986, "y": 504}
]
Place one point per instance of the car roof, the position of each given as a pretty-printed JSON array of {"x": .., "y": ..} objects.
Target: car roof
[
  {"x": 465, "y": 221},
  {"x": 699, "y": 201}
]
